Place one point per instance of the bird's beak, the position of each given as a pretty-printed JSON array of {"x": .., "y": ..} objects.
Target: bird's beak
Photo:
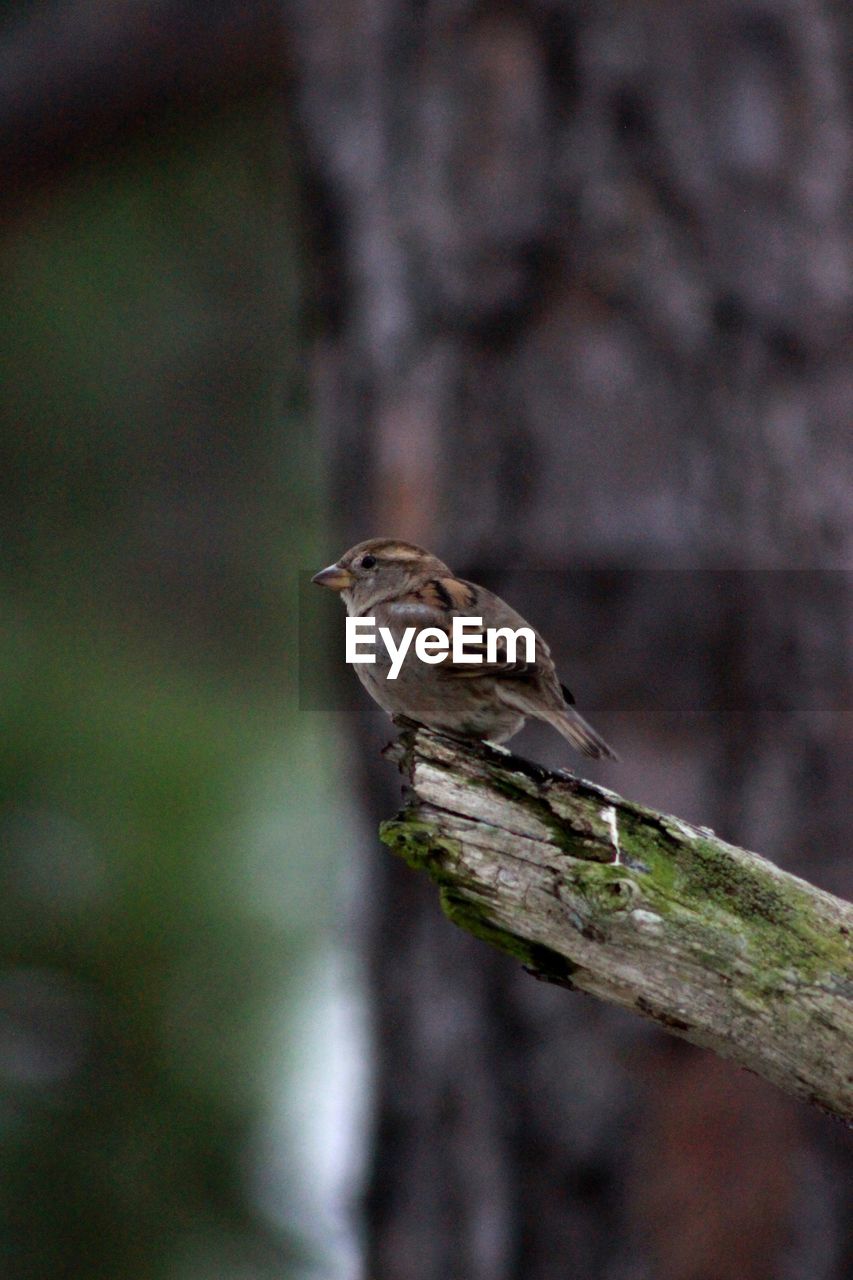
[{"x": 335, "y": 578}]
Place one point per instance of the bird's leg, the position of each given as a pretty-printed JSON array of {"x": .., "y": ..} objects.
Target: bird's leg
[{"x": 404, "y": 722}]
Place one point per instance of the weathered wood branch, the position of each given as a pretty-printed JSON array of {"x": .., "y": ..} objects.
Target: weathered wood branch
[{"x": 589, "y": 890}]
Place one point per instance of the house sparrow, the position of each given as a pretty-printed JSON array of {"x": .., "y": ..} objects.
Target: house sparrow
[{"x": 403, "y": 586}]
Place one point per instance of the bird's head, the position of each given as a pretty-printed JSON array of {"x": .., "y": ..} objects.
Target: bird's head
[{"x": 379, "y": 569}]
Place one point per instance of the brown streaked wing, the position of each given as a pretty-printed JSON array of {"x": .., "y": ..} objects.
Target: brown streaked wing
[
  {"x": 455, "y": 596},
  {"x": 447, "y": 594}
]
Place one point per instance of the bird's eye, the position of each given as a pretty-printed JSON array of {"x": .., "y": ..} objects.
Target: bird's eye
[{"x": 368, "y": 562}]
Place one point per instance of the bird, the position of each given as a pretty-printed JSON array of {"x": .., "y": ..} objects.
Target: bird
[{"x": 400, "y": 586}]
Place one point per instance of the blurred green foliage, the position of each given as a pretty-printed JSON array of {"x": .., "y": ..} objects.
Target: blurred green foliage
[{"x": 166, "y": 854}]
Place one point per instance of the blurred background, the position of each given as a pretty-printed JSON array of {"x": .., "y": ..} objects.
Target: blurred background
[{"x": 562, "y": 291}]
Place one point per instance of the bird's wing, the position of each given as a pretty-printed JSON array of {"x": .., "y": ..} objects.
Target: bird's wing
[{"x": 437, "y": 601}]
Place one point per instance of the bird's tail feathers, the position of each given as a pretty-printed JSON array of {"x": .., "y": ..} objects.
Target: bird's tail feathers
[{"x": 575, "y": 730}]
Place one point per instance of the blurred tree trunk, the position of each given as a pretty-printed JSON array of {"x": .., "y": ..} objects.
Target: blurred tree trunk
[{"x": 581, "y": 286}]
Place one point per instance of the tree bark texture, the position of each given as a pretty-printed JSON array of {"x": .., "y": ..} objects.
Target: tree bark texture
[
  {"x": 639, "y": 908},
  {"x": 581, "y": 282}
]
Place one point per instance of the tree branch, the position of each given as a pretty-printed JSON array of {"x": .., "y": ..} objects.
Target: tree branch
[{"x": 714, "y": 943}]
